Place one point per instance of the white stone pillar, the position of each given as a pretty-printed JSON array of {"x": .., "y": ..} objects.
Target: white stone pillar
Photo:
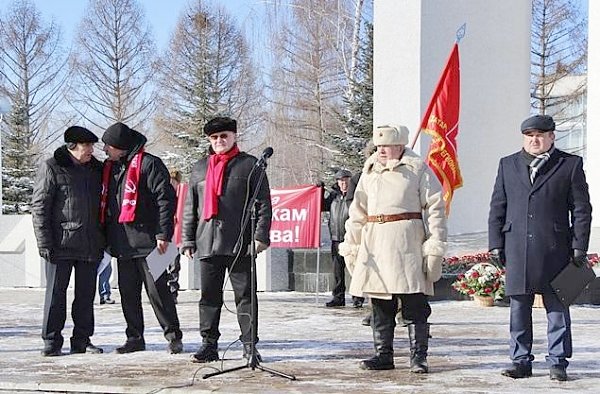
[
  {"x": 592, "y": 163},
  {"x": 413, "y": 39}
]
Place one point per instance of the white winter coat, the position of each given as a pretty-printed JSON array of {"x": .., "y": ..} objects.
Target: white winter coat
[{"x": 391, "y": 258}]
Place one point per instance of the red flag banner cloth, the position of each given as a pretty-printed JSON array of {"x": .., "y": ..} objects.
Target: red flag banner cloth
[
  {"x": 181, "y": 193},
  {"x": 441, "y": 122},
  {"x": 296, "y": 221}
]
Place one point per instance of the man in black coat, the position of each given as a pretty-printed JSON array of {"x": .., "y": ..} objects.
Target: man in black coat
[
  {"x": 540, "y": 217},
  {"x": 138, "y": 204},
  {"x": 337, "y": 203},
  {"x": 65, "y": 202},
  {"x": 220, "y": 189}
]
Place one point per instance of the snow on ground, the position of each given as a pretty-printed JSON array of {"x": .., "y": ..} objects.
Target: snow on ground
[{"x": 320, "y": 346}]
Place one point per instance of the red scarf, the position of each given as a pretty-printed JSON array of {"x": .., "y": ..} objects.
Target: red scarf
[
  {"x": 130, "y": 196},
  {"x": 217, "y": 162}
]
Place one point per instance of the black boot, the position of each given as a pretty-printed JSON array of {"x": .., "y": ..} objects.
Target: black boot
[
  {"x": 383, "y": 325},
  {"x": 419, "y": 344}
]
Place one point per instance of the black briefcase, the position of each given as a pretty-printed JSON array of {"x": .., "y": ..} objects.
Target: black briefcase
[{"x": 571, "y": 281}]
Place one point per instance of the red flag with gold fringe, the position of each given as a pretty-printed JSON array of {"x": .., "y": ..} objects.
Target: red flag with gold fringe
[{"x": 441, "y": 122}]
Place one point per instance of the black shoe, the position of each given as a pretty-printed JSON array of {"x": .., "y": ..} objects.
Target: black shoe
[
  {"x": 106, "y": 300},
  {"x": 51, "y": 352},
  {"x": 366, "y": 321},
  {"x": 131, "y": 346},
  {"x": 88, "y": 348},
  {"x": 558, "y": 373},
  {"x": 248, "y": 351},
  {"x": 335, "y": 303},
  {"x": 206, "y": 354},
  {"x": 419, "y": 366},
  {"x": 175, "y": 346},
  {"x": 378, "y": 362},
  {"x": 518, "y": 371},
  {"x": 358, "y": 303}
]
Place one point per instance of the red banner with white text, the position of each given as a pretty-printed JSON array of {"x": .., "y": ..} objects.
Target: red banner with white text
[{"x": 296, "y": 221}]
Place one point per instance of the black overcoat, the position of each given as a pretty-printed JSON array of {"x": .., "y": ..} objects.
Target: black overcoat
[
  {"x": 539, "y": 225},
  {"x": 154, "y": 214},
  {"x": 65, "y": 205},
  {"x": 219, "y": 235}
]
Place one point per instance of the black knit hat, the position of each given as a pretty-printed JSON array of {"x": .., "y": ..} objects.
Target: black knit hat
[
  {"x": 119, "y": 135},
  {"x": 541, "y": 123},
  {"x": 219, "y": 124},
  {"x": 78, "y": 134}
]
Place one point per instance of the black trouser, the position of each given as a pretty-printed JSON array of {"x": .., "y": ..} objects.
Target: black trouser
[
  {"x": 212, "y": 277},
  {"x": 132, "y": 273},
  {"x": 173, "y": 275},
  {"x": 414, "y": 307},
  {"x": 339, "y": 273},
  {"x": 55, "y": 304}
]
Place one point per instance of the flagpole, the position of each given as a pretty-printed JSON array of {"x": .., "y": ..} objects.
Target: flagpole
[{"x": 460, "y": 33}]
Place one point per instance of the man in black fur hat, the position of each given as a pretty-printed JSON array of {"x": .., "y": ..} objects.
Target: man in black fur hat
[
  {"x": 220, "y": 188},
  {"x": 65, "y": 203}
]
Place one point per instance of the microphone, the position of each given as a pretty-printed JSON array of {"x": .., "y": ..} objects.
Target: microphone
[{"x": 268, "y": 152}]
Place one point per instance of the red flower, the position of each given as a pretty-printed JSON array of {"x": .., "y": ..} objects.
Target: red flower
[
  {"x": 475, "y": 275},
  {"x": 471, "y": 291},
  {"x": 487, "y": 290}
]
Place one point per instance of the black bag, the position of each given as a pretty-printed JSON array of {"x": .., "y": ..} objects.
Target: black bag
[{"x": 571, "y": 281}]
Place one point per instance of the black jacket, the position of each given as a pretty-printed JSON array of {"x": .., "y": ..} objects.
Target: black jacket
[
  {"x": 539, "y": 225},
  {"x": 65, "y": 208},
  {"x": 338, "y": 205},
  {"x": 219, "y": 235},
  {"x": 154, "y": 211}
]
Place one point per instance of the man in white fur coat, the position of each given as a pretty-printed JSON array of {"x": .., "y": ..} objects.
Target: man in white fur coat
[{"x": 394, "y": 243}]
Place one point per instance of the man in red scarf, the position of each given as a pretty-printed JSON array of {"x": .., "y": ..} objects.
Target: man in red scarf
[
  {"x": 137, "y": 207},
  {"x": 220, "y": 189}
]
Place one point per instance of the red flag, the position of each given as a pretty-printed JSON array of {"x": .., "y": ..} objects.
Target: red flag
[
  {"x": 441, "y": 122},
  {"x": 296, "y": 221}
]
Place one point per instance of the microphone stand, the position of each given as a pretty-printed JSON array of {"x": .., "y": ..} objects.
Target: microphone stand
[{"x": 253, "y": 361}]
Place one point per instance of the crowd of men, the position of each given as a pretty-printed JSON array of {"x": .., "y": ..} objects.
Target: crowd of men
[{"x": 387, "y": 223}]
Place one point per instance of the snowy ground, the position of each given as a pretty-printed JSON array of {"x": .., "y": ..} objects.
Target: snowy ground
[{"x": 320, "y": 346}]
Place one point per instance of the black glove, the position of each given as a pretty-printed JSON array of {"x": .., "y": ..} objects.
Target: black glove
[
  {"x": 46, "y": 254},
  {"x": 320, "y": 184},
  {"x": 579, "y": 258},
  {"x": 498, "y": 257}
]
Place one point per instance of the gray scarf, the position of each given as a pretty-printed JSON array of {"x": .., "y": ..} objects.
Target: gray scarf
[{"x": 537, "y": 163}]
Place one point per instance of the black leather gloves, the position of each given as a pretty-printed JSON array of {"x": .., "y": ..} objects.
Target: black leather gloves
[
  {"x": 498, "y": 257},
  {"x": 579, "y": 257},
  {"x": 46, "y": 254}
]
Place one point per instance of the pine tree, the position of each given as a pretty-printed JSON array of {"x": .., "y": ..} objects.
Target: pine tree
[
  {"x": 358, "y": 119},
  {"x": 32, "y": 75},
  {"x": 207, "y": 71}
]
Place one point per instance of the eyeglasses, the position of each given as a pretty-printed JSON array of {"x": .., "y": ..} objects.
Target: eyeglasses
[{"x": 215, "y": 136}]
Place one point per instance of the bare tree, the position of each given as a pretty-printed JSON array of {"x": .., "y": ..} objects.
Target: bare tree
[
  {"x": 309, "y": 78},
  {"x": 559, "y": 57},
  {"x": 113, "y": 65},
  {"x": 206, "y": 71},
  {"x": 31, "y": 78}
]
